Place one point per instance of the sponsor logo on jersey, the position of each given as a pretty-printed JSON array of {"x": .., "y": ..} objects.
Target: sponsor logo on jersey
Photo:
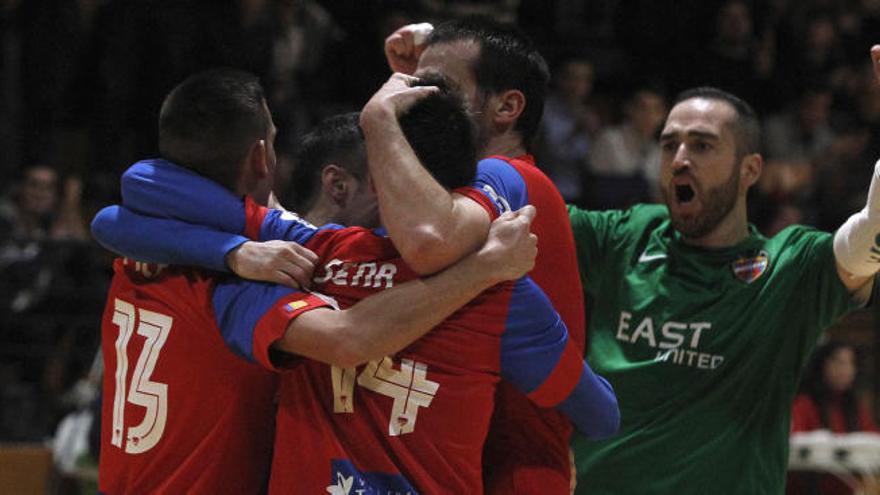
[
  {"x": 675, "y": 342},
  {"x": 749, "y": 269},
  {"x": 645, "y": 257},
  {"x": 345, "y": 479},
  {"x": 357, "y": 274}
]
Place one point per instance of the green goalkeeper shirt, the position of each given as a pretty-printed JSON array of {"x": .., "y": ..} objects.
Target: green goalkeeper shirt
[{"x": 703, "y": 347}]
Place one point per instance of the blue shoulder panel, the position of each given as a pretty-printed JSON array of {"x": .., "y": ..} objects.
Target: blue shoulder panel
[{"x": 502, "y": 184}]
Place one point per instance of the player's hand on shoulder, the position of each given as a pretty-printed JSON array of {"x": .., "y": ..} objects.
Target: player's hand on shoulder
[
  {"x": 280, "y": 262},
  {"x": 510, "y": 249},
  {"x": 404, "y": 47}
]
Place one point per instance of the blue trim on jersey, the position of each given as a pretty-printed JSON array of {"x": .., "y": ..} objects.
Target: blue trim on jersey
[
  {"x": 287, "y": 226},
  {"x": 533, "y": 339},
  {"x": 592, "y": 406},
  {"x": 499, "y": 181},
  {"x": 239, "y": 305},
  {"x": 161, "y": 240},
  {"x": 162, "y": 189}
]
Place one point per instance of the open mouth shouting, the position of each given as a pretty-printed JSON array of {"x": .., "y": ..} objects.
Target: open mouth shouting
[{"x": 684, "y": 200}]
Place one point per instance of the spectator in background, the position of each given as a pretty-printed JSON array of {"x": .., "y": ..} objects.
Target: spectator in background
[
  {"x": 828, "y": 400},
  {"x": 841, "y": 175},
  {"x": 45, "y": 284},
  {"x": 568, "y": 126},
  {"x": 802, "y": 132},
  {"x": 810, "y": 50},
  {"x": 34, "y": 210},
  {"x": 796, "y": 142},
  {"x": 625, "y": 159},
  {"x": 737, "y": 59}
]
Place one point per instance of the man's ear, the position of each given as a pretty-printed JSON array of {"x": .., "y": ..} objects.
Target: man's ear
[
  {"x": 258, "y": 159},
  {"x": 750, "y": 169},
  {"x": 507, "y": 106},
  {"x": 334, "y": 183}
]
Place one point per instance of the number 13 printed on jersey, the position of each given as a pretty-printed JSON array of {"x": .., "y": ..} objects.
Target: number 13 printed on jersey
[{"x": 143, "y": 392}]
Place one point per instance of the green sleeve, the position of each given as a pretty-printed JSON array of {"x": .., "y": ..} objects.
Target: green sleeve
[
  {"x": 592, "y": 235},
  {"x": 824, "y": 297}
]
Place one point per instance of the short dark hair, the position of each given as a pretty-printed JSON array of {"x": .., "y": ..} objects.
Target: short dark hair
[
  {"x": 508, "y": 59},
  {"x": 210, "y": 121},
  {"x": 442, "y": 135},
  {"x": 337, "y": 139},
  {"x": 746, "y": 127}
]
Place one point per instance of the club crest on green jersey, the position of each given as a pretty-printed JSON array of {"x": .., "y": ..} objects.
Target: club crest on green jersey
[{"x": 749, "y": 269}]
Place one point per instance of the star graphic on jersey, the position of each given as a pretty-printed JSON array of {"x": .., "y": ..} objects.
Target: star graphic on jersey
[{"x": 342, "y": 486}]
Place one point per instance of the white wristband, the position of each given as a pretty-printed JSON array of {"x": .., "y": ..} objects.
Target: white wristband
[{"x": 857, "y": 241}]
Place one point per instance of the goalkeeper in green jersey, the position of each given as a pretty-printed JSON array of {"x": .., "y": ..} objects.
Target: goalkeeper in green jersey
[{"x": 701, "y": 324}]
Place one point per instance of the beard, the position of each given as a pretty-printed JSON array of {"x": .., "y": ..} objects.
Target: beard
[{"x": 718, "y": 202}]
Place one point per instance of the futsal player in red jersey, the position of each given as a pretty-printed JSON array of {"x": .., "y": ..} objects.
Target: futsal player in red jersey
[
  {"x": 181, "y": 412},
  {"x": 504, "y": 79},
  {"x": 408, "y": 423}
]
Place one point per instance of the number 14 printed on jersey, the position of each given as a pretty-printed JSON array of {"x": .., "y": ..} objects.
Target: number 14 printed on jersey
[{"x": 408, "y": 386}]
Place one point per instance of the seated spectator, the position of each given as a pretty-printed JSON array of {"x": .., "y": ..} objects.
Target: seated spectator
[
  {"x": 803, "y": 132},
  {"x": 34, "y": 210},
  {"x": 828, "y": 398},
  {"x": 796, "y": 142},
  {"x": 828, "y": 401},
  {"x": 625, "y": 159},
  {"x": 568, "y": 126},
  {"x": 48, "y": 283}
]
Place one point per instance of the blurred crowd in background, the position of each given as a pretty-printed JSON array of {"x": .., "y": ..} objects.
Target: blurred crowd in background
[{"x": 82, "y": 81}]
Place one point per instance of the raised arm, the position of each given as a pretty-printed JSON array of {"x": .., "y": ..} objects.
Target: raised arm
[
  {"x": 857, "y": 241},
  {"x": 404, "y": 47},
  {"x": 540, "y": 360},
  {"x": 430, "y": 227}
]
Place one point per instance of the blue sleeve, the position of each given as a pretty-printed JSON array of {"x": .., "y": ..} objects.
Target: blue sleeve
[
  {"x": 162, "y": 240},
  {"x": 162, "y": 189},
  {"x": 537, "y": 358},
  {"x": 253, "y": 316},
  {"x": 502, "y": 184},
  {"x": 239, "y": 305}
]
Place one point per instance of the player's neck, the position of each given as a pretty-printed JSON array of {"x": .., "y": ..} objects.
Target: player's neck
[
  {"x": 321, "y": 213},
  {"x": 732, "y": 230},
  {"x": 507, "y": 144}
]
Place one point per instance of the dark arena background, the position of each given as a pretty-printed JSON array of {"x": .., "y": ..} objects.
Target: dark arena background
[{"x": 82, "y": 81}]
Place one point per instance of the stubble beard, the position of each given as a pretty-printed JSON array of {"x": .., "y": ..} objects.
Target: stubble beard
[{"x": 718, "y": 202}]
